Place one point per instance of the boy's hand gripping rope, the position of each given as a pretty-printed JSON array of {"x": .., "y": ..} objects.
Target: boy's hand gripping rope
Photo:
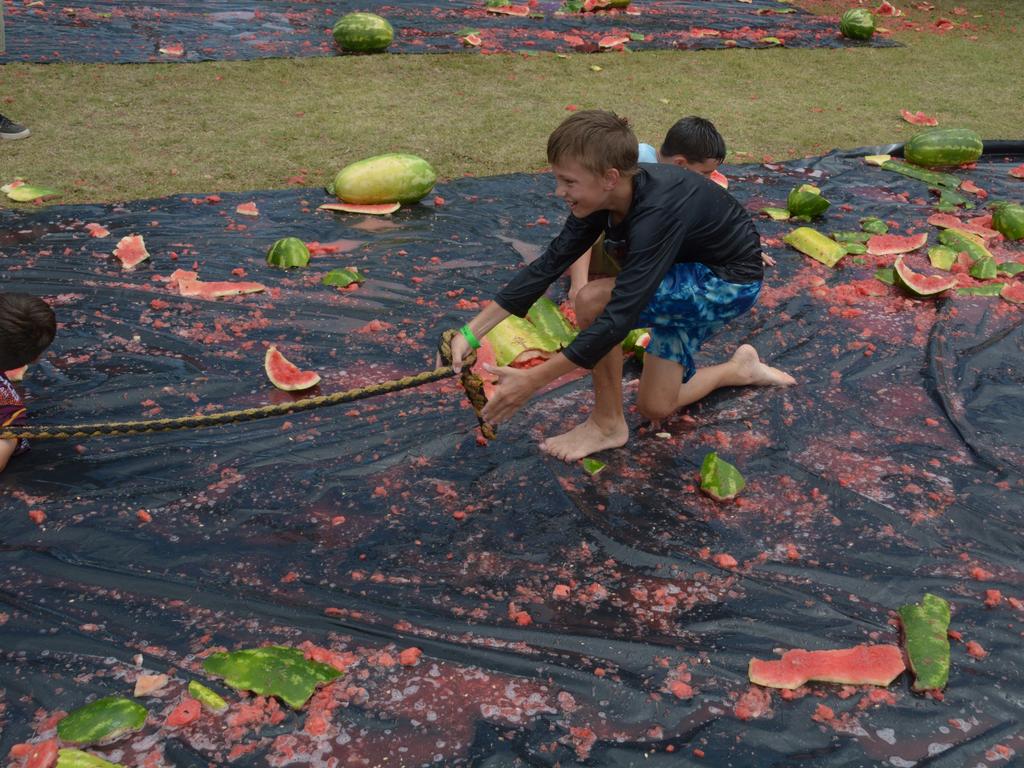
[{"x": 471, "y": 383}]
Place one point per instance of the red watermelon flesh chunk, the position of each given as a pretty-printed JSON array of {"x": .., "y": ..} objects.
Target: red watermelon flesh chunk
[
  {"x": 719, "y": 179},
  {"x": 613, "y": 41},
  {"x": 918, "y": 118},
  {"x": 190, "y": 286},
  {"x": 131, "y": 250},
  {"x": 286, "y": 375},
  {"x": 975, "y": 226},
  {"x": 860, "y": 665},
  {"x": 529, "y": 358},
  {"x": 96, "y": 230},
  {"x": 377, "y": 210},
  {"x": 884, "y": 245},
  {"x": 1018, "y": 172},
  {"x": 1013, "y": 292},
  {"x": 510, "y": 10},
  {"x": 16, "y": 374},
  {"x": 247, "y": 209},
  {"x": 473, "y": 40}
]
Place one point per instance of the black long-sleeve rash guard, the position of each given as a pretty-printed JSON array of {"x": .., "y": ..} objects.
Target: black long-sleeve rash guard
[{"x": 676, "y": 216}]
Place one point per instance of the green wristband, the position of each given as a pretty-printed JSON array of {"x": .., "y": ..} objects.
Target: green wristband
[{"x": 467, "y": 334}]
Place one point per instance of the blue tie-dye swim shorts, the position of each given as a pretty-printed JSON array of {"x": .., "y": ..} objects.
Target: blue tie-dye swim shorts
[{"x": 691, "y": 303}]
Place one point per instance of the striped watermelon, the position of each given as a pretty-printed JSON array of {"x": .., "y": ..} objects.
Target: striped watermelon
[
  {"x": 857, "y": 24},
  {"x": 940, "y": 147},
  {"x": 363, "y": 33}
]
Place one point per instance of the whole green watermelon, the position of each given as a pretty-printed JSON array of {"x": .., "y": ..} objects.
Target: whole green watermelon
[
  {"x": 857, "y": 24},
  {"x": 363, "y": 33},
  {"x": 390, "y": 178},
  {"x": 940, "y": 147}
]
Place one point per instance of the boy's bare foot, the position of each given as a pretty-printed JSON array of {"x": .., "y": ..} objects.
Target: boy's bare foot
[
  {"x": 585, "y": 439},
  {"x": 752, "y": 371}
]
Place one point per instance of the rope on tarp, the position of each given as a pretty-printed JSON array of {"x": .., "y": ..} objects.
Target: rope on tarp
[{"x": 471, "y": 383}]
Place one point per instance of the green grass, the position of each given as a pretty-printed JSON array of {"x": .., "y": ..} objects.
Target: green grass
[{"x": 114, "y": 132}]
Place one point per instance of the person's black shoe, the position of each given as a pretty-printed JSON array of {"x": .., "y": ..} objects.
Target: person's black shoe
[{"x": 10, "y": 130}]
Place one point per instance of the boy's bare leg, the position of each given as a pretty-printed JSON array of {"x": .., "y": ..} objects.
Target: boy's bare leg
[
  {"x": 605, "y": 427},
  {"x": 661, "y": 394}
]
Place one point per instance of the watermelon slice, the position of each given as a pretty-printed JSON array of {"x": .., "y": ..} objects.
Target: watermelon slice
[
  {"x": 613, "y": 41},
  {"x": 918, "y": 118},
  {"x": 247, "y": 209},
  {"x": 173, "y": 49},
  {"x": 719, "y": 179},
  {"x": 860, "y": 665},
  {"x": 380, "y": 209},
  {"x": 922, "y": 286},
  {"x": 886, "y": 245},
  {"x": 473, "y": 40},
  {"x": 285, "y": 375},
  {"x": 877, "y": 160},
  {"x": 16, "y": 374},
  {"x": 1017, "y": 172},
  {"x": 1013, "y": 292},
  {"x": 190, "y": 286},
  {"x": 25, "y": 193},
  {"x": 131, "y": 250},
  {"x": 948, "y": 221},
  {"x": 887, "y": 9},
  {"x": 510, "y": 10}
]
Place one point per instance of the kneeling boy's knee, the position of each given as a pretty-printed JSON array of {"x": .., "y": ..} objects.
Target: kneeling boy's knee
[
  {"x": 590, "y": 302},
  {"x": 653, "y": 409}
]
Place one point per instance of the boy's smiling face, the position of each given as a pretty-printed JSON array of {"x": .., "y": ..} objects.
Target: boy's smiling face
[{"x": 583, "y": 190}]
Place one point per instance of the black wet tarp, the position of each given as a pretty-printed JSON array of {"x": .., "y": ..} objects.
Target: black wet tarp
[
  {"x": 192, "y": 30},
  {"x": 563, "y": 619}
]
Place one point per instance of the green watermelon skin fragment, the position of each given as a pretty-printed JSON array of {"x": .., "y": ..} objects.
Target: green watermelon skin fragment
[
  {"x": 925, "y": 627},
  {"x": 860, "y": 665}
]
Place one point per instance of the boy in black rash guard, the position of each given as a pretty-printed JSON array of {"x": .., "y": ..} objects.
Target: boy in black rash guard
[{"x": 691, "y": 261}]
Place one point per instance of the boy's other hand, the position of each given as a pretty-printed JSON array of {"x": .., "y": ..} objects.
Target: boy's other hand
[
  {"x": 460, "y": 348},
  {"x": 513, "y": 389},
  {"x": 768, "y": 260}
]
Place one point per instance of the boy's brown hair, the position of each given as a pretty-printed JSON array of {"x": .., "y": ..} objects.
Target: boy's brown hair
[
  {"x": 596, "y": 139},
  {"x": 27, "y": 327}
]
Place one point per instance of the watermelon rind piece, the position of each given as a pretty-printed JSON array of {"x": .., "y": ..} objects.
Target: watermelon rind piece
[
  {"x": 381, "y": 209},
  {"x": 925, "y": 638},
  {"x": 343, "y": 278},
  {"x": 857, "y": 24},
  {"x": 27, "y": 193},
  {"x": 887, "y": 275},
  {"x": 247, "y": 209},
  {"x": 719, "y": 479},
  {"x": 890, "y": 245},
  {"x": 983, "y": 269},
  {"x": 813, "y": 243},
  {"x": 363, "y": 33},
  {"x": 946, "y": 221},
  {"x": 942, "y": 257},
  {"x": 874, "y": 225},
  {"x": 393, "y": 177},
  {"x": 965, "y": 242},
  {"x": 989, "y": 289},
  {"x": 854, "y": 249},
  {"x": 207, "y": 697},
  {"x": 860, "y": 665},
  {"x": 943, "y": 147},
  {"x": 1011, "y": 268},
  {"x": 613, "y": 41},
  {"x": 806, "y": 200},
  {"x": 1013, "y": 292},
  {"x": 285, "y": 375},
  {"x": 877, "y": 160},
  {"x": 778, "y": 214},
  {"x": 191, "y": 287},
  {"x": 510, "y": 10},
  {"x": 720, "y": 179},
  {"x": 102, "y": 721},
  {"x": 549, "y": 320},
  {"x": 288, "y": 252},
  {"x": 273, "y": 670},
  {"x": 76, "y": 758},
  {"x": 514, "y": 336},
  {"x": 933, "y": 178},
  {"x": 131, "y": 251},
  {"x": 851, "y": 237},
  {"x": 921, "y": 286},
  {"x": 1008, "y": 220},
  {"x": 593, "y": 466}
]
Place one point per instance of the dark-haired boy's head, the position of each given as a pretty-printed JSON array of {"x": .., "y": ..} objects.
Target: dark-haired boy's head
[
  {"x": 694, "y": 143},
  {"x": 597, "y": 140},
  {"x": 27, "y": 327}
]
